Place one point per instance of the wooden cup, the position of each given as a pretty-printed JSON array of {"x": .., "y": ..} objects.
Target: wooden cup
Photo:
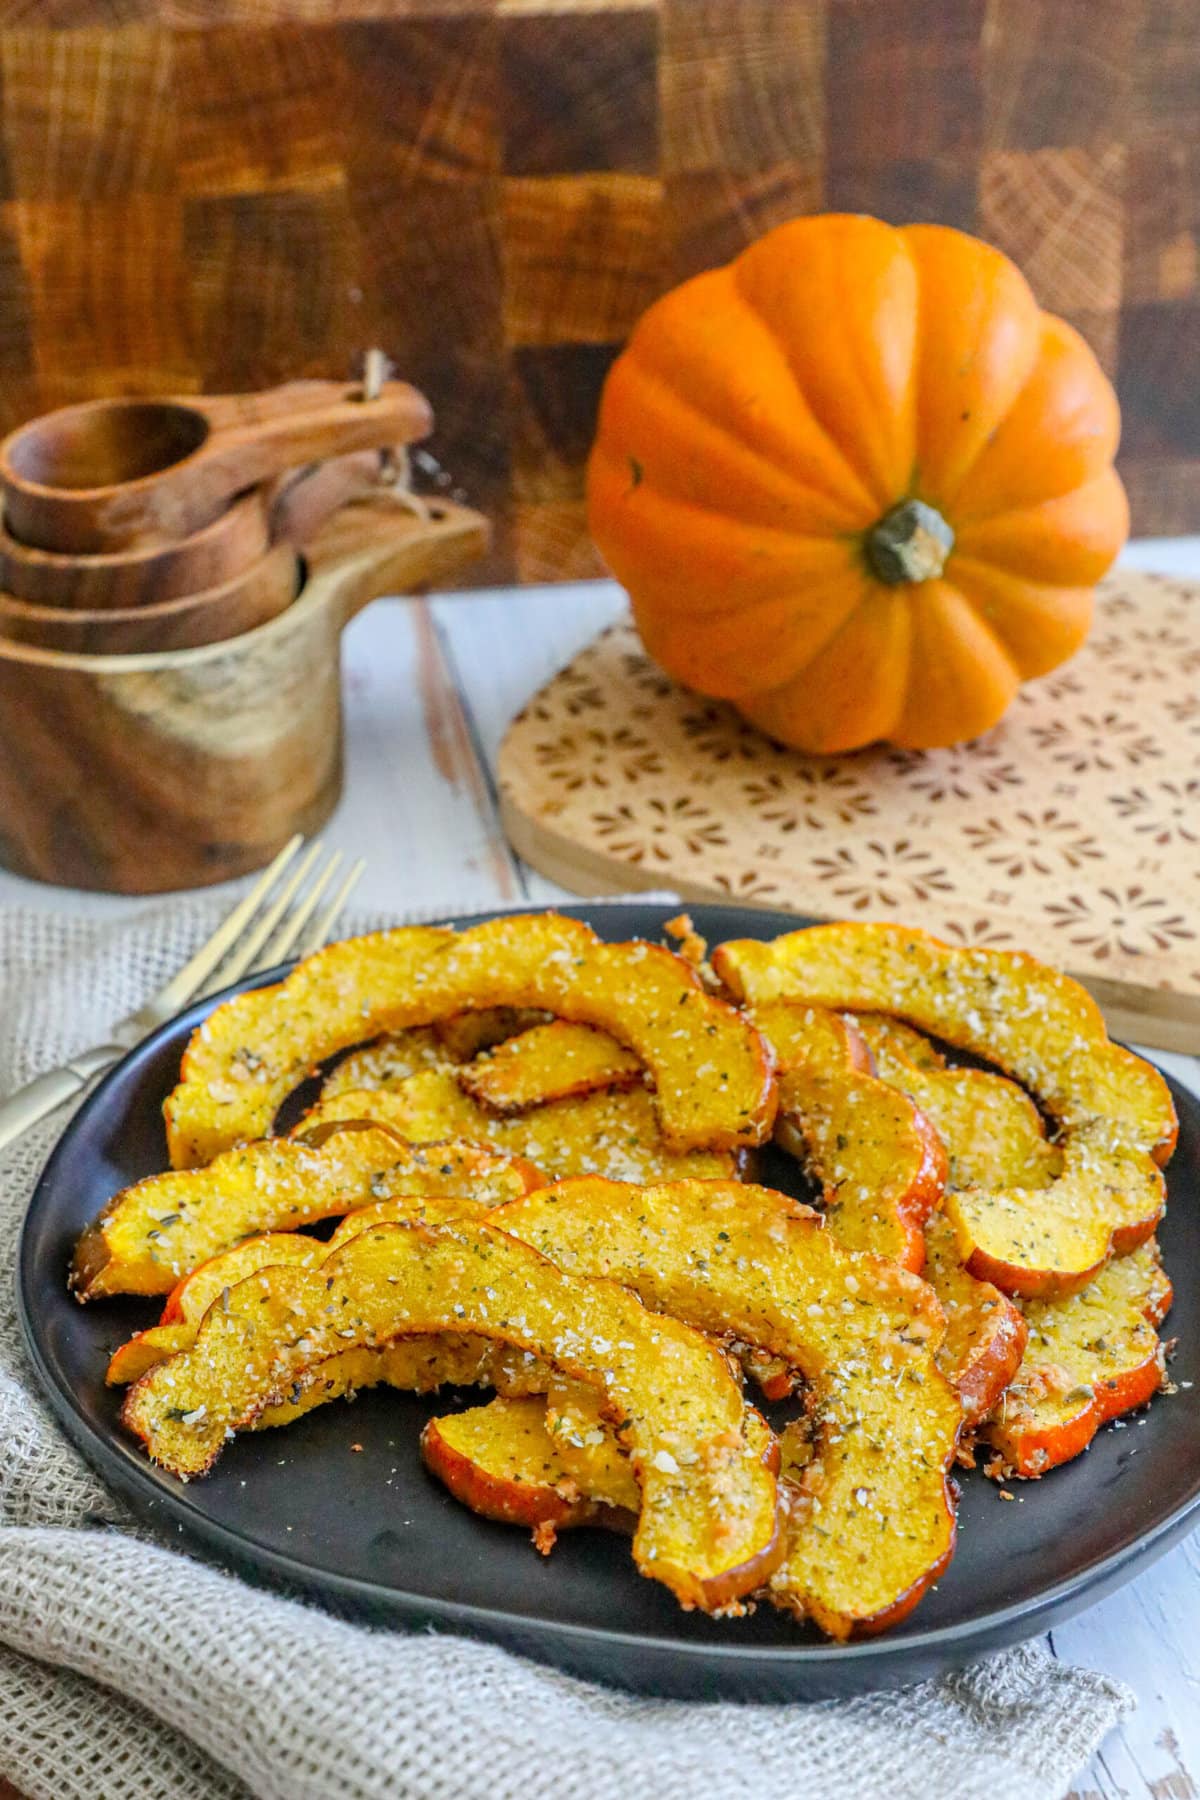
[
  {"x": 247, "y": 599},
  {"x": 177, "y": 768},
  {"x": 121, "y": 474}
]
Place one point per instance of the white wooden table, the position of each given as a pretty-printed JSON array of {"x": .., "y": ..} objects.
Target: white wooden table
[{"x": 431, "y": 686}]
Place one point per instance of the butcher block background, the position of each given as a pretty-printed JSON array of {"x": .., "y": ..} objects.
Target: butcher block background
[{"x": 221, "y": 193}]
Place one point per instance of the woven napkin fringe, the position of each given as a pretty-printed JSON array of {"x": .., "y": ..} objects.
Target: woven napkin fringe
[{"x": 130, "y": 1670}]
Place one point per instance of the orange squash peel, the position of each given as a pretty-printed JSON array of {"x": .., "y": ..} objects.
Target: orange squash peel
[{"x": 880, "y": 1165}]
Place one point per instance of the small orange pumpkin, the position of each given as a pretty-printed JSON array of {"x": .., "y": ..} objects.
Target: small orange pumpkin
[{"x": 858, "y": 483}]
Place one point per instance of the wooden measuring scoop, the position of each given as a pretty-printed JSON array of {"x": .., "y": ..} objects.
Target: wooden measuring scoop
[
  {"x": 247, "y": 599},
  {"x": 120, "y": 474},
  {"x": 288, "y": 510},
  {"x": 124, "y": 579}
]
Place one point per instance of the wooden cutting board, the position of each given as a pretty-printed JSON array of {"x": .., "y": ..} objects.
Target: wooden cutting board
[{"x": 1072, "y": 830}]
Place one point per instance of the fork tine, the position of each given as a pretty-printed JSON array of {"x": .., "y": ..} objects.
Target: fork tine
[
  {"x": 183, "y": 986},
  {"x": 247, "y": 952},
  {"x": 320, "y": 928},
  {"x": 290, "y": 930}
]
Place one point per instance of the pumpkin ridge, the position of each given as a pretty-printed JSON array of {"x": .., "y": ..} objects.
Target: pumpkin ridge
[
  {"x": 886, "y": 501},
  {"x": 954, "y": 587},
  {"x": 791, "y": 541},
  {"x": 1103, "y": 452},
  {"x": 755, "y": 459},
  {"x": 890, "y": 500},
  {"x": 1011, "y": 541},
  {"x": 767, "y": 403},
  {"x": 810, "y": 686},
  {"x": 731, "y": 683},
  {"x": 853, "y": 397},
  {"x": 865, "y": 484},
  {"x": 997, "y": 297},
  {"x": 1061, "y": 615},
  {"x": 935, "y": 691}
]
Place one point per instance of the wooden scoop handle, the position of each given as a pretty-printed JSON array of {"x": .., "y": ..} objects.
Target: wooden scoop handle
[
  {"x": 305, "y": 498},
  {"x": 384, "y": 545},
  {"x": 253, "y": 436}
]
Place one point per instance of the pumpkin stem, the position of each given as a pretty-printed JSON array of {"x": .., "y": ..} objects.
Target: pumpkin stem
[{"x": 910, "y": 543}]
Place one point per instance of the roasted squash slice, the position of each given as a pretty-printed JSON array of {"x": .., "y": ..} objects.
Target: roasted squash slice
[
  {"x": 886, "y": 1038},
  {"x": 547, "y": 1463},
  {"x": 206, "y": 1285},
  {"x": 1091, "y": 1356},
  {"x": 880, "y": 1164},
  {"x": 877, "y": 1526},
  {"x": 392, "y": 1058},
  {"x": 711, "y": 1071},
  {"x": 151, "y": 1234},
  {"x": 709, "y": 1525},
  {"x": 550, "y": 1062},
  {"x": 466, "y": 1035},
  {"x": 985, "y": 1330},
  {"x": 1064, "y": 1374},
  {"x": 1114, "y": 1111},
  {"x": 503, "y": 1461},
  {"x": 613, "y": 1133},
  {"x": 589, "y": 1449},
  {"x": 191, "y": 1298},
  {"x": 418, "y": 1365},
  {"x": 856, "y": 1143}
]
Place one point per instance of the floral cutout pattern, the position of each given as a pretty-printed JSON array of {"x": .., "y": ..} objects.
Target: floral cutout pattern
[
  {"x": 596, "y": 758},
  {"x": 1037, "y": 841},
  {"x": 1169, "y": 811},
  {"x": 1127, "y": 919},
  {"x": 891, "y": 873},
  {"x": 1072, "y": 829}
]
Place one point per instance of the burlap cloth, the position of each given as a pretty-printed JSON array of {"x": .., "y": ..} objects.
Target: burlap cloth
[{"x": 131, "y": 1671}]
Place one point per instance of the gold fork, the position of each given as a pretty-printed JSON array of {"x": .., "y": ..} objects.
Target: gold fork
[{"x": 278, "y": 917}]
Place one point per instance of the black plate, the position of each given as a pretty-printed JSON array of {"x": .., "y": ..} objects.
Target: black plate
[{"x": 369, "y": 1532}]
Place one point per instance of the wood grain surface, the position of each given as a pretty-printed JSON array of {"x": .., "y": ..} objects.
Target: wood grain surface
[{"x": 215, "y": 194}]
